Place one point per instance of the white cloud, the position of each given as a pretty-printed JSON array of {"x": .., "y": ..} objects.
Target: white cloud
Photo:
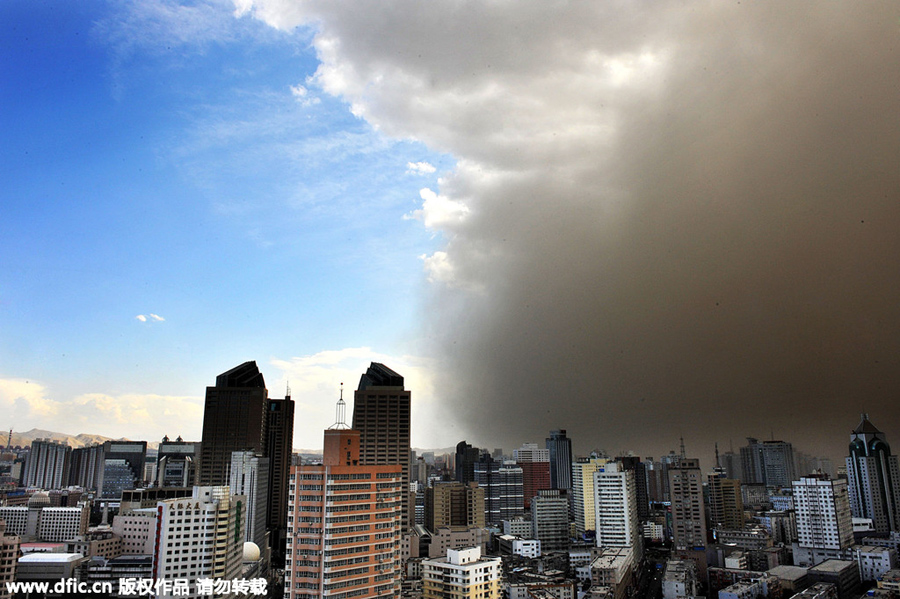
[
  {"x": 150, "y": 317},
  {"x": 438, "y": 211},
  {"x": 26, "y": 404},
  {"x": 419, "y": 168},
  {"x": 301, "y": 94}
]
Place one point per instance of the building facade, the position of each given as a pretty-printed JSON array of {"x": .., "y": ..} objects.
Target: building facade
[{"x": 873, "y": 474}]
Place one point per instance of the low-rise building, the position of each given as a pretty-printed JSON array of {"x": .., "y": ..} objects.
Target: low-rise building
[
  {"x": 463, "y": 574},
  {"x": 680, "y": 579},
  {"x": 843, "y": 574}
]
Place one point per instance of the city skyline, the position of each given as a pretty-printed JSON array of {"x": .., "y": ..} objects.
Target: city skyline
[{"x": 633, "y": 223}]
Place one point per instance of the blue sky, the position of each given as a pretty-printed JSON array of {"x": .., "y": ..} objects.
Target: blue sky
[{"x": 173, "y": 161}]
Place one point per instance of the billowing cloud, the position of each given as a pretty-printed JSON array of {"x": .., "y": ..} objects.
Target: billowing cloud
[
  {"x": 315, "y": 387},
  {"x": 680, "y": 219},
  {"x": 28, "y": 404},
  {"x": 438, "y": 211}
]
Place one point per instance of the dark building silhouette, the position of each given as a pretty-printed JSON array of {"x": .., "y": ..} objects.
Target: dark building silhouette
[
  {"x": 123, "y": 467},
  {"x": 504, "y": 496},
  {"x": 176, "y": 463},
  {"x": 560, "y": 448},
  {"x": 466, "y": 456},
  {"x": 873, "y": 477},
  {"x": 642, "y": 496},
  {"x": 279, "y": 441},
  {"x": 234, "y": 419},
  {"x": 381, "y": 414}
]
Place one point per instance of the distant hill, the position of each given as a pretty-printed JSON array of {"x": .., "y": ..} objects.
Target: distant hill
[{"x": 80, "y": 440}]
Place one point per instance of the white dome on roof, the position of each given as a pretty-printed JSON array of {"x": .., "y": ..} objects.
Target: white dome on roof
[
  {"x": 39, "y": 499},
  {"x": 251, "y": 552}
]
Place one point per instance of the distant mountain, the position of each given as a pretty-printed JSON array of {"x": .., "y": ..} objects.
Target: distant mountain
[{"x": 80, "y": 440}]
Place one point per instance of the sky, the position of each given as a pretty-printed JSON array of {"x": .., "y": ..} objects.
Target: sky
[{"x": 637, "y": 221}]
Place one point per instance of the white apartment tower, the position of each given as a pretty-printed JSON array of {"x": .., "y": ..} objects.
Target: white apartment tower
[
  {"x": 199, "y": 537},
  {"x": 583, "y": 491},
  {"x": 824, "y": 526},
  {"x": 463, "y": 574},
  {"x": 688, "y": 505},
  {"x": 615, "y": 508}
]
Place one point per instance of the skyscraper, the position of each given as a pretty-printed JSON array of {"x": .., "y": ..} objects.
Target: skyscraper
[
  {"x": 279, "y": 444},
  {"x": 234, "y": 419},
  {"x": 466, "y": 456},
  {"x": 535, "y": 465},
  {"x": 615, "y": 508},
  {"x": 344, "y": 533},
  {"x": 560, "y": 448},
  {"x": 381, "y": 414},
  {"x": 824, "y": 525},
  {"x": 583, "y": 491},
  {"x": 726, "y": 507},
  {"x": 770, "y": 463},
  {"x": 688, "y": 507},
  {"x": 47, "y": 466},
  {"x": 454, "y": 505},
  {"x": 873, "y": 476},
  {"x": 504, "y": 498}
]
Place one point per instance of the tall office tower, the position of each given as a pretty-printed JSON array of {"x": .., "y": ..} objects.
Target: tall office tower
[
  {"x": 583, "y": 491},
  {"x": 726, "y": 507},
  {"x": 641, "y": 494},
  {"x": 381, "y": 414},
  {"x": 657, "y": 480},
  {"x": 344, "y": 524},
  {"x": 550, "y": 519},
  {"x": 454, "y": 505},
  {"x": 466, "y": 456},
  {"x": 873, "y": 476},
  {"x": 615, "y": 508},
  {"x": 770, "y": 463},
  {"x": 198, "y": 537},
  {"x": 824, "y": 525},
  {"x": 535, "y": 465},
  {"x": 249, "y": 477},
  {"x": 504, "y": 497},
  {"x": 47, "y": 466},
  {"x": 560, "y": 448},
  {"x": 463, "y": 574},
  {"x": 731, "y": 462},
  {"x": 234, "y": 419},
  {"x": 688, "y": 507},
  {"x": 86, "y": 467},
  {"x": 123, "y": 467},
  {"x": 279, "y": 443},
  {"x": 176, "y": 463}
]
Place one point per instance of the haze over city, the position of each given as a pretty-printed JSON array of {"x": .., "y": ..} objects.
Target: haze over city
[{"x": 634, "y": 221}]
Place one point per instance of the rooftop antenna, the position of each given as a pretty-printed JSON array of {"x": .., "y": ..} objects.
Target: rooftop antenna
[
  {"x": 341, "y": 410},
  {"x": 287, "y": 391},
  {"x": 9, "y": 440},
  {"x": 682, "y": 447},
  {"x": 718, "y": 465}
]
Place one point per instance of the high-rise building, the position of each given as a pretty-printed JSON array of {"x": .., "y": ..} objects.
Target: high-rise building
[
  {"x": 343, "y": 524},
  {"x": 824, "y": 525},
  {"x": 560, "y": 448},
  {"x": 873, "y": 476},
  {"x": 123, "y": 467},
  {"x": 535, "y": 465},
  {"x": 641, "y": 493},
  {"x": 466, "y": 456},
  {"x": 688, "y": 507},
  {"x": 504, "y": 497},
  {"x": 176, "y": 462},
  {"x": 47, "y": 466},
  {"x": 249, "y": 477},
  {"x": 550, "y": 519},
  {"x": 726, "y": 508},
  {"x": 770, "y": 463},
  {"x": 454, "y": 505},
  {"x": 234, "y": 419},
  {"x": 279, "y": 444},
  {"x": 615, "y": 508},
  {"x": 86, "y": 469},
  {"x": 583, "y": 491},
  {"x": 463, "y": 574},
  {"x": 381, "y": 414},
  {"x": 198, "y": 537}
]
